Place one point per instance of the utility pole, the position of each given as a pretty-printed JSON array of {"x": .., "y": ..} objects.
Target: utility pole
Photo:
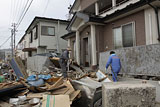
[
  {"x": 58, "y": 48},
  {"x": 12, "y": 41},
  {"x": 14, "y": 37}
]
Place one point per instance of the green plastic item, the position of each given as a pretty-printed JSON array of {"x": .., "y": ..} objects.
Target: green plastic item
[{"x": 2, "y": 79}]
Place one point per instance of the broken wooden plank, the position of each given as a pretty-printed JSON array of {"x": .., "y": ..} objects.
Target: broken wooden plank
[
  {"x": 21, "y": 66},
  {"x": 60, "y": 91},
  {"x": 74, "y": 94},
  {"x": 58, "y": 83},
  {"x": 23, "y": 93},
  {"x": 35, "y": 95},
  {"x": 25, "y": 84},
  {"x": 70, "y": 87}
]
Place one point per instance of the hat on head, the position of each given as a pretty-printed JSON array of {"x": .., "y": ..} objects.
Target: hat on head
[
  {"x": 112, "y": 52},
  {"x": 69, "y": 49}
]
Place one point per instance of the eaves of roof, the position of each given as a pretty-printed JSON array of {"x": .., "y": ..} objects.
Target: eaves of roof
[
  {"x": 127, "y": 9},
  {"x": 38, "y": 19},
  {"x": 86, "y": 18},
  {"x": 68, "y": 35}
]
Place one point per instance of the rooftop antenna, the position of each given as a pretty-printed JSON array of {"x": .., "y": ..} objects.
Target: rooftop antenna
[{"x": 69, "y": 15}]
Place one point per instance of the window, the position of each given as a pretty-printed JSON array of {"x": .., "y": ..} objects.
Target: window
[
  {"x": 127, "y": 33},
  {"x": 47, "y": 30},
  {"x": 24, "y": 44},
  {"x": 124, "y": 36},
  {"x": 36, "y": 33},
  {"x": 117, "y": 37},
  {"x": 31, "y": 36}
]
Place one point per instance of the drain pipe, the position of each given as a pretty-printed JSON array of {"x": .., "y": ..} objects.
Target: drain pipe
[{"x": 157, "y": 18}]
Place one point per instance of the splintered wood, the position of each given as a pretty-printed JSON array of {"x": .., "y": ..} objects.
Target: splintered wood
[
  {"x": 54, "y": 86},
  {"x": 8, "y": 84}
]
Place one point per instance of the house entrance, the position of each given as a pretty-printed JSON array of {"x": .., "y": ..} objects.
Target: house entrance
[{"x": 86, "y": 57}]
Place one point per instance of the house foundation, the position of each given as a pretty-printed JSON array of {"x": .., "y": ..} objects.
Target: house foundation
[{"x": 128, "y": 95}]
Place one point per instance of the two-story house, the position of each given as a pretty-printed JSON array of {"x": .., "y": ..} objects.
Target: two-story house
[
  {"x": 23, "y": 43},
  {"x": 103, "y": 25},
  {"x": 43, "y": 36}
]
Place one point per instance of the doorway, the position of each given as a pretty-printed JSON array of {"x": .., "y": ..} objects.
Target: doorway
[{"x": 86, "y": 57}]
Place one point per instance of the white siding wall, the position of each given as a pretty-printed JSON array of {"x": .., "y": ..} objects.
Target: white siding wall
[
  {"x": 41, "y": 50},
  {"x": 51, "y": 41},
  {"x": 35, "y": 41},
  {"x": 151, "y": 26}
]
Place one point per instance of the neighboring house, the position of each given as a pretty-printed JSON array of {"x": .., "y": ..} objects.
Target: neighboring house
[
  {"x": 2, "y": 55},
  {"x": 103, "y": 25},
  {"x": 23, "y": 43},
  {"x": 5, "y": 54},
  {"x": 8, "y": 55},
  {"x": 43, "y": 36}
]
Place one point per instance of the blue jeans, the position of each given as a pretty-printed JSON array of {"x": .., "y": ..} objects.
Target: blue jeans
[
  {"x": 63, "y": 65},
  {"x": 114, "y": 76},
  {"x": 115, "y": 73}
]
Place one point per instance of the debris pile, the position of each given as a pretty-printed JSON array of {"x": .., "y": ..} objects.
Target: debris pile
[
  {"x": 50, "y": 88},
  {"x": 42, "y": 93}
]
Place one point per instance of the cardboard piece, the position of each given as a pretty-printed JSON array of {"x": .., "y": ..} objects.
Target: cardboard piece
[{"x": 56, "y": 101}]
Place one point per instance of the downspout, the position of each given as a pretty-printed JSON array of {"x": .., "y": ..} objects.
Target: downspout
[{"x": 157, "y": 18}]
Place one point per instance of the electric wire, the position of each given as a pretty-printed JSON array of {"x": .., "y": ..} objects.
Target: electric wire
[
  {"x": 10, "y": 16},
  {"x": 24, "y": 14},
  {"x": 45, "y": 7},
  {"x": 15, "y": 9},
  {"x": 5, "y": 42},
  {"x": 19, "y": 9},
  {"x": 23, "y": 10}
]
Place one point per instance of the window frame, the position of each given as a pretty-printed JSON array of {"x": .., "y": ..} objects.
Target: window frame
[
  {"x": 31, "y": 36},
  {"x": 133, "y": 33},
  {"x": 36, "y": 32},
  {"x": 47, "y": 27}
]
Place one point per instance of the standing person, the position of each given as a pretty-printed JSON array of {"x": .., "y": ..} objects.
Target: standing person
[
  {"x": 115, "y": 63},
  {"x": 64, "y": 58}
]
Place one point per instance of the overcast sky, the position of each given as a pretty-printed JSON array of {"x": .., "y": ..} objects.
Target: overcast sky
[{"x": 10, "y": 11}]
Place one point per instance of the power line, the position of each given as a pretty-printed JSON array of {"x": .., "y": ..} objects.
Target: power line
[
  {"x": 24, "y": 14},
  {"x": 23, "y": 10},
  {"x": 10, "y": 17},
  {"x": 5, "y": 42},
  {"x": 19, "y": 9},
  {"x": 45, "y": 7},
  {"x": 15, "y": 9}
]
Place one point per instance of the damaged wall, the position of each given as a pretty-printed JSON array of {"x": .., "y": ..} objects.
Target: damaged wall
[
  {"x": 128, "y": 95},
  {"x": 140, "y": 60},
  {"x": 38, "y": 63}
]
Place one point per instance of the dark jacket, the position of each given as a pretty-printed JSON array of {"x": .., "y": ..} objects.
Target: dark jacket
[{"x": 65, "y": 56}]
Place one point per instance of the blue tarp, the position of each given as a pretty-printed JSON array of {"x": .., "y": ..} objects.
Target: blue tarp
[
  {"x": 16, "y": 68},
  {"x": 36, "y": 83},
  {"x": 33, "y": 77}
]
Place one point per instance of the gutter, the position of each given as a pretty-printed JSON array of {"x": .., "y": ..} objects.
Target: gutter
[{"x": 157, "y": 17}]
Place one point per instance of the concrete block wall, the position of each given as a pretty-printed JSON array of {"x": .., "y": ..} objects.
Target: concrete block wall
[
  {"x": 139, "y": 60},
  {"x": 128, "y": 95},
  {"x": 36, "y": 63}
]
